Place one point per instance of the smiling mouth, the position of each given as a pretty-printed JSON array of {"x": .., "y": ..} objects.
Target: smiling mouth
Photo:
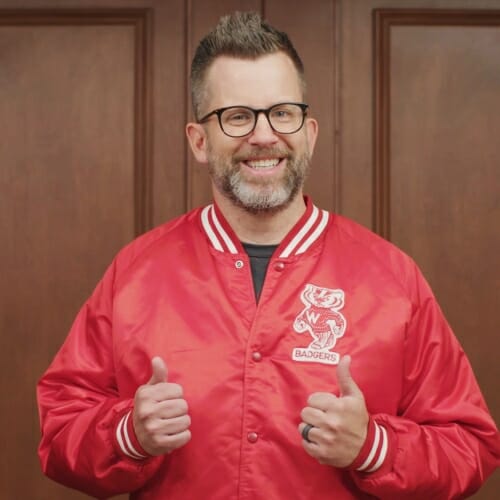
[{"x": 263, "y": 163}]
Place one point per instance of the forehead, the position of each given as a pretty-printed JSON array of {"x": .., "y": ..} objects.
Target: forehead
[{"x": 259, "y": 82}]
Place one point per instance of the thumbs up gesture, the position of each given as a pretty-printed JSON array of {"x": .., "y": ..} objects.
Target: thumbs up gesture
[
  {"x": 339, "y": 422},
  {"x": 160, "y": 416}
]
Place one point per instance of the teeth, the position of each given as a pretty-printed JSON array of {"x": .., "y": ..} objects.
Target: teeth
[{"x": 263, "y": 163}]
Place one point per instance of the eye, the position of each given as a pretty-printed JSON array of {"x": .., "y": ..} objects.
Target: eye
[
  {"x": 237, "y": 116},
  {"x": 283, "y": 113}
]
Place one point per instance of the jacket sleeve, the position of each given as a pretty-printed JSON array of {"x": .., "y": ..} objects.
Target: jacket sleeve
[
  {"x": 443, "y": 443},
  {"x": 81, "y": 409}
]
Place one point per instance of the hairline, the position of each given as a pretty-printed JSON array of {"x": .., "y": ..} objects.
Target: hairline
[{"x": 203, "y": 91}]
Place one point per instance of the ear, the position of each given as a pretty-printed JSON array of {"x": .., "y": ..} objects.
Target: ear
[
  {"x": 197, "y": 138},
  {"x": 311, "y": 126}
]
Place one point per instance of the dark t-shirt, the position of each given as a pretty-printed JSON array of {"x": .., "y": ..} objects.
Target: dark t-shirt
[{"x": 259, "y": 259}]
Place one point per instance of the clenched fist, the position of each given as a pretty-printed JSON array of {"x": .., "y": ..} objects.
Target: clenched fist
[{"x": 160, "y": 416}]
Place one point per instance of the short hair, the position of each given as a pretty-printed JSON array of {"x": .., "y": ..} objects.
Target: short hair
[{"x": 243, "y": 35}]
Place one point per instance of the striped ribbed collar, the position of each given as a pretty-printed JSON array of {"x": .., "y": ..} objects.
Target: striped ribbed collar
[{"x": 307, "y": 230}]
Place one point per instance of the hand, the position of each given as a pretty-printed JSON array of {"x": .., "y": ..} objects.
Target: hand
[
  {"x": 160, "y": 416},
  {"x": 340, "y": 423}
]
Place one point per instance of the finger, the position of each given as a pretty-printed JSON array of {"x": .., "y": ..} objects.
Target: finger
[
  {"x": 173, "y": 441},
  {"x": 313, "y": 416},
  {"x": 167, "y": 443},
  {"x": 174, "y": 425},
  {"x": 312, "y": 449},
  {"x": 322, "y": 400},
  {"x": 311, "y": 444},
  {"x": 165, "y": 391},
  {"x": 172, "y": 408},
  {"x": 159, "y": 369},
  {"x": 158, "y": 394},
  {"x": 346, "y": 383}
]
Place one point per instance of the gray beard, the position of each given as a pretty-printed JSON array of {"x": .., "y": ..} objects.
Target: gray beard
[{"x": 259, "y": 198}]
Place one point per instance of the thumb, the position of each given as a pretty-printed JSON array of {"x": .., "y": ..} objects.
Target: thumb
[
  {"x": 160, "y": 371},
  {"x": 345, "y": 381}
]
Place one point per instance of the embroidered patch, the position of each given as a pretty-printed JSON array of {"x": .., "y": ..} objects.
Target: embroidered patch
[{"x": 322, "y": 319}]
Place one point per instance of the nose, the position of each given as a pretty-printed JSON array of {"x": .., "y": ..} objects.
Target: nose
[{"x": 262, "y": 133}]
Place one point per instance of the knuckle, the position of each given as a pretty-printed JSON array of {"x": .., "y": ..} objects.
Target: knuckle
[
  {"x": 330, "y": 426},
  {"x": 179, "y": 424},
  {"x": 150, "y": 426},
  {"x": 148, "y": 413},
  {"x": 176, "y": 389},
  {"x": 184, "y": 438},
  {"x": 139, "y": 395},
  {"x": 187, "y": 436},
  {"x": 348, "y": 406},
  {"x": 140, "y": 413},
  {"x": 171, "y": 441},
  {"x": 179, "y": 406},
  {"x": 177, "y": 440},
  {"x": 329, "y": 439},
  {"x": 333, "y": 423}
]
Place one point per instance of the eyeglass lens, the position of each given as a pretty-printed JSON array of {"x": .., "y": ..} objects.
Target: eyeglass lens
[{"x": 283, "y": 118}]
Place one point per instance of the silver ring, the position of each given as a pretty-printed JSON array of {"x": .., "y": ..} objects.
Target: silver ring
[{"x": 305, "y": 432}]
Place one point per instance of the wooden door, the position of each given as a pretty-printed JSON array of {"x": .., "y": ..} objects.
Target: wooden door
[
  {"x": 93, "y": 103},
  {"x": 91, "y": 155},
  {"x": 419, "y": 157}
]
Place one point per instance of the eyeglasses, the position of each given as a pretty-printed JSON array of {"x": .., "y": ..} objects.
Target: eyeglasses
[{"x": 238, "y": 121}]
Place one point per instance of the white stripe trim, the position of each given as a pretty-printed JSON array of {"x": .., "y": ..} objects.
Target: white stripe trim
[
  {"x": 127, "y": 438},
  {"x": 223, "y": 233},
  {"x": 315, "y": 235},
  {"x": 209, "y": 230},
  {"x": 296, "y": 240},
  {"x": 120, "y": 439},
  {"x": 383, "y": 452},
  {"x": 370, "y": 456}
]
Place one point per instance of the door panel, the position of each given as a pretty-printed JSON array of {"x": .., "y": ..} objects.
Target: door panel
[
  {"x": 76, "y": 185},
  {"x": 68, "y": 131},
  {"x": 422, "y": 168}
]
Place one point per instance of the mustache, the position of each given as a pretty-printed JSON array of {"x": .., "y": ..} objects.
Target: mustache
[{"x": 257, "y": 153}]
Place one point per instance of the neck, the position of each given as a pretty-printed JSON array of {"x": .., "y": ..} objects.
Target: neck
[{"x": 261, "y": 228}]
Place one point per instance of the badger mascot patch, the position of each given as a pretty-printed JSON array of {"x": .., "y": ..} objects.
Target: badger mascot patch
[{"x": 323, "y": 321}]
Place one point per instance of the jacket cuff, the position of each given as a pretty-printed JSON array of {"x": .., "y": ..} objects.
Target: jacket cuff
[
  {"x": 126, "y": 439},
  {"x": 374, "y": 452}
]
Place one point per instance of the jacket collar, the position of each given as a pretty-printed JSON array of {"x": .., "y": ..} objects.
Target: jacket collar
[{"x": 306, "y": 231}]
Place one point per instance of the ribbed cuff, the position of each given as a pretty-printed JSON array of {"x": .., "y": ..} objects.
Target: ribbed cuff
[
  {"x": 127, "y": 440},
  {"x": 374, "y": 451}
]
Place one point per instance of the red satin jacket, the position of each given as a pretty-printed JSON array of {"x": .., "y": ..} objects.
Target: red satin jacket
[{"x": 184, "y": 291}]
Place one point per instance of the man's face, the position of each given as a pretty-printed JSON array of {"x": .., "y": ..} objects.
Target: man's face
[{"x": 264, "y": 170}]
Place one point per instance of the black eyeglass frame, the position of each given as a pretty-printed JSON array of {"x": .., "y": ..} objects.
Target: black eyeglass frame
[{"x": 303, "y": 106}]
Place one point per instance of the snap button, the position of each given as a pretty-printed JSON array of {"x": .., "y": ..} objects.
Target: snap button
[
  {"x": 253, "y": 437},
  {"x": 238, "y": 264},
  {"x": 256, "y": 356},
  {"x": 279, "y": 266}
]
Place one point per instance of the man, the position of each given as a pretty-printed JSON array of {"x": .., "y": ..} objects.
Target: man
[{"x": 261, "y": 348}]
